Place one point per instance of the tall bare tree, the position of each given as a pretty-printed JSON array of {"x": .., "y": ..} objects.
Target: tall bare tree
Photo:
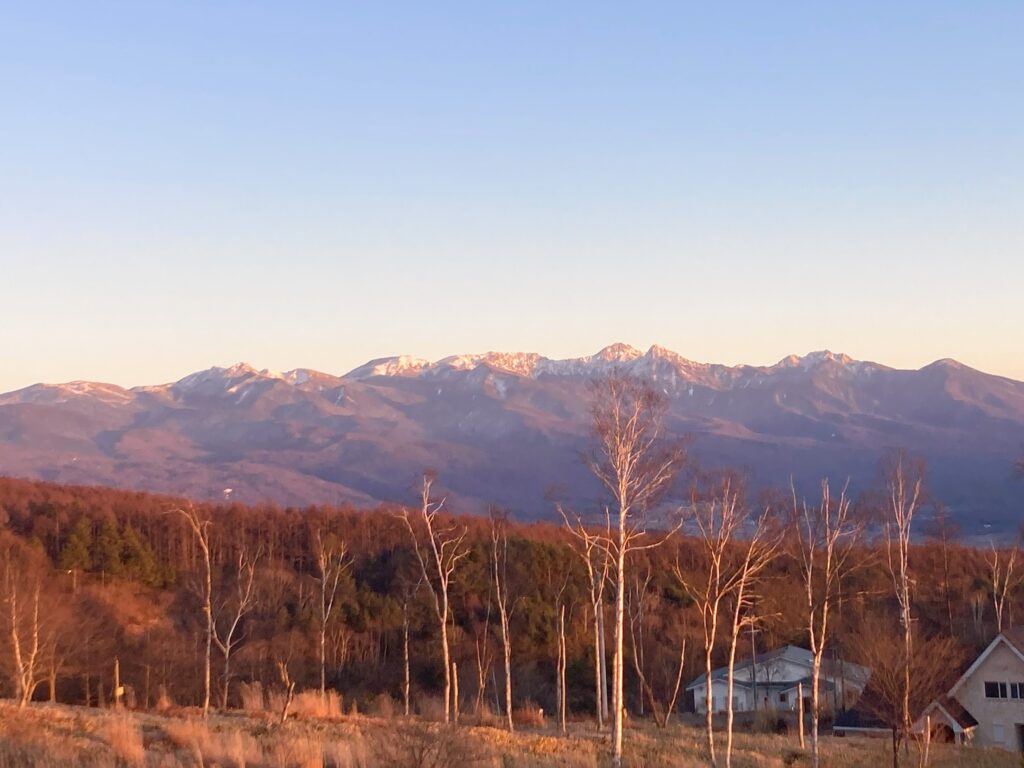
[
  {"x": 636, "y": 466},
  {"x": 758, "y": 551},
  {"x": 408, "y": 594},
  {"x": 905, "y": 483},
  {"x": 22, "y": 584},
  {"x": 439, "y": 548},
  {"x": 499, "y": 561},
  {"x": 825, "y": 538},
  {"x": 595, "y": 560},
  {"x": 561, "y": 664},
  {"x": 200, "y": 529},
  {"x": 1002, "y": 572},
  {"x": 228, "y": 615},
  {"x": 332, "y": 562},
  {"x": 718, "y": 521}
]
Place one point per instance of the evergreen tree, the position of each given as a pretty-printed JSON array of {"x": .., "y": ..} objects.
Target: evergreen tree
[
  {"x": 138, "y": 560},
  {"x": 75, "y": 556},
  {"x": 108, "y": 550}
]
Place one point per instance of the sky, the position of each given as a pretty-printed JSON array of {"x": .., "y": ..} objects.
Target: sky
[{"x": 185, "y": 185}]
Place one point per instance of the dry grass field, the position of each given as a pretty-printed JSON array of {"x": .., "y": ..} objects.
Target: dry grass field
[{"x": 52, "y": 736}]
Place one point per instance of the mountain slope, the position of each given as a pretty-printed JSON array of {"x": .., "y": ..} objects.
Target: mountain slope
[{"x": 509, "y": 428}]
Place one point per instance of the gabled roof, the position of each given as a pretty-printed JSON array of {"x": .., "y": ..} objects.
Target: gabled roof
[
  {"x": 790, "y": 653},
  {"x": 1015, "y": 637},
  {"x": 1012, "y": 638},
  {"x": 956, "y": 711},
  {"x": 952, "y": 710}
]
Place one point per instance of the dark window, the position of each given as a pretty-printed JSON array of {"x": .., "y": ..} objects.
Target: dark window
[
  {"x": 991, "y": 690},
  {"x": 1002, "y": 690}
]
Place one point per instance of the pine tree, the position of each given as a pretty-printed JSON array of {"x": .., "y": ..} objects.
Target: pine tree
[
  {"x": 108, "y": 550},
  {"x": 75, "y": 556},
  {"x": 139, "y": 562}
]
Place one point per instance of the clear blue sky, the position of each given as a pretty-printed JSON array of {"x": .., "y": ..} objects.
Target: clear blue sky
[{"x": 190, "y": 184}]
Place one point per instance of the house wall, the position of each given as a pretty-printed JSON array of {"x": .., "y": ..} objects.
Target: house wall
[
  {"x": 718, "y": 691},
  {"x": 997, "y": 718}
]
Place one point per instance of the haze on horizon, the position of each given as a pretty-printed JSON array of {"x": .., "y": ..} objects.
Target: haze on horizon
[{"x": 185, "y": 185}]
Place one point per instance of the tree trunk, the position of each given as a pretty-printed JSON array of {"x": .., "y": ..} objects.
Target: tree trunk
[
  {"x": 455, "y": 693},
  {"x": 617, "y": 666},
  {"x": 800, "y": 711},
  {"x": 507, "y": 648},
  {"x": 815, "y": 677},
  {"x": 709, "y": 701},
  {"x": 446, "y": 661},
  {"x": 604, "y": 661},
  {"x": 405, "y": 663},
  {"x": 598, "y": 706},
  {"x": 323, "y": 659}
]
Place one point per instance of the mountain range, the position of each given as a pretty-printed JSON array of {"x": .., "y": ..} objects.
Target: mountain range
[{"x": 509, "y": 427}]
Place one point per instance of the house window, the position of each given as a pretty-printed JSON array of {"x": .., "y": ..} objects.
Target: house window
[
  {"x": 782, "y": 698},
  {"x": 995, "y": 690},
  {"x": 1017, "y": 690},
  {"x": 997, "y": 733}
]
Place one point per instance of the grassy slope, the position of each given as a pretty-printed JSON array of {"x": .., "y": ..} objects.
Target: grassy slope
[{"x": 45, "y": 736}]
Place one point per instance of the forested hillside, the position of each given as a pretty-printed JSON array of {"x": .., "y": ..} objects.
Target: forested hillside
[{"x": 118, "y": 576}]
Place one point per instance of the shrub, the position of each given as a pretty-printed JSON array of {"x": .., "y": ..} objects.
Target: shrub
[
  {"x": 430, "y": 708},
  {"x": 528, "y": 714},
  {"x": 253, "y": 698},
  {"x": 422, "y": 745},
  {"x": 310, "y": 704},
  {"x": 124, "y": 737},
  {"x": 383, "y": 706}
]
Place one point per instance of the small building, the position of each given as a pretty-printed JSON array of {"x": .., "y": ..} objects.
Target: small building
[
  {"x": 986, "y": 704},
  {"x": 948, "y": 721},
  {"x": 772, "y": 681}
]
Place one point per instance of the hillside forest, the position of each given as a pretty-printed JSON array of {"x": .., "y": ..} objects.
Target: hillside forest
[{"x": 153, "y": 601}]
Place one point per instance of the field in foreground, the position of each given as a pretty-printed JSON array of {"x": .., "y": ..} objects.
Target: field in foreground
[{"x": 47, "y": 736}]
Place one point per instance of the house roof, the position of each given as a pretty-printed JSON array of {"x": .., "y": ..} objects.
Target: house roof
[
  {"x": 956, "y": 710},
  {"x": 859, "y": 720},
  {"x": 789, "y": 653},
  {"x": 1015, "y": 637},
  {"x": 1012, "y": 638},
  {"x": 952, "y": 710}
]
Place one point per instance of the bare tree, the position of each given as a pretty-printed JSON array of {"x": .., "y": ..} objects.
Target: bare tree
[
  {"x": 718, "y": 522},
  {"x": 825, "y": 537},
  {"x": 1002, "y": 568},
  {"x": 499, "y": 561},
  {"x": 332, "y": 562},
  {"x": 757, "y": 553},
  {"x": 637, "y": 609},
  {"x": 22, "y": 584},
  {"x": 484, "y": 660},
  {"x": 595, "y": 560},
  {"x": 904, "y": 485},
  {"x": 439, "y": 548},
  {"x": 408, "y": 593},
  {"x": 944, "y": 529},
  {"x": 561, "y": 663},
  {"x": 636, "y": 467},
  {"x": 233, "y": 610},
  {"x": 200, "y": 529},
  {"x": 930, "y": 669}
]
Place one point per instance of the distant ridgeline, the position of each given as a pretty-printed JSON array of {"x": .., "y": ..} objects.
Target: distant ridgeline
[
  {"x": 117, "y": 572},
  {"x": 506, "y": 428}
]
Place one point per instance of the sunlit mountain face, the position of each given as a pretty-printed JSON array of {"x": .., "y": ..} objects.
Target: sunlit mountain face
[{"x": 509, "y": 428}]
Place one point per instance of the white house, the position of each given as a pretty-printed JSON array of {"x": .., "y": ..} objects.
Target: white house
[
  {"x": 772, "y": 680},
  {"x": 986, "y": 705}
]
